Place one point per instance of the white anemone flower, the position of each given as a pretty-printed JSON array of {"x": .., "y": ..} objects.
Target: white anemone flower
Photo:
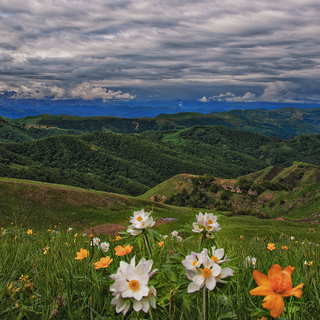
[
  {"x": 192, "y": 261},
  {"x": 141, "y": 220},
  {"x": 174, "y": 233},
  {"x": 104, "y": 246},
  {"x": 131, "y": 284},
  {"x": 197, "y": 227},
  {"x": 95, "y": 242},
  {"x": 122, "y": 305},
  {"x": 134, "y": 232},
  {"x": 145, "y": 303},
  {"x": 210, "y": 223},
  {"x": 225, "y": 272},
  {"x": 205, "y": 276},
  {"x": 218, "y": 256}
]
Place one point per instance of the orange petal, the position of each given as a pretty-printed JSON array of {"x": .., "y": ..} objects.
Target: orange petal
[
  {"x": 261, "y": 279},
  {"x": 262, "y": 291},
  {"x": 275, "y": 303},
  {"x": 289, "y": 269},
  {"x": 294, "y": 291},
  {"x": 275, "y": 271}
]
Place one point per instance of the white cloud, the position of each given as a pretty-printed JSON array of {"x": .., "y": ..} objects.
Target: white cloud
[{"x": 87, "y": 91}]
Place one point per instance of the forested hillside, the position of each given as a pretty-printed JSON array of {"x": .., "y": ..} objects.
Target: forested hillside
[
  {"x": 285, "y": 123},
  {"x": 132, "y": 164}
]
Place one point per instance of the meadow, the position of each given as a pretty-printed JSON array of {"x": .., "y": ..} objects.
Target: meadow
[{"x": 53, "y": 273}]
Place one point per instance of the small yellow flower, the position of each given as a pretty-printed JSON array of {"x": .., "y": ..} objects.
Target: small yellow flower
[
  {"x": 45, "y": 250},
  {"x": 284, "y": 248},
  {"x": 161, "y": 243},
  {"x": 49, "y": 230},
  {"x": 241, "y": 237},
  {"x": 103, "y": 263},
  {"x": 118, "y": 238},
  {"x": 271, "y": 246},
  {"x": 82, "y": 254},
  {"x": 310, "y": 263},
  {"x": 29, "y": 231}
]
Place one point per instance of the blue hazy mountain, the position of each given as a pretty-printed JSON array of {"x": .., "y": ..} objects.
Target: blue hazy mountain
[{"x": 18, "y": 108}]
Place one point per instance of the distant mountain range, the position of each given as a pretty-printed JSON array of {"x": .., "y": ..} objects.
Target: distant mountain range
[
  {"x": 18, "y": 108},
  {"x": 283, "y": 123}
]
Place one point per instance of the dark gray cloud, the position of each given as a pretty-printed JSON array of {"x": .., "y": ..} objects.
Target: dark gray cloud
[{"x": 171, "y": 49}]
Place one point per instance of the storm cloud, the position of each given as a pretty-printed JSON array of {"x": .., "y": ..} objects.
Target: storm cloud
[{"x": 171, "y": 49}]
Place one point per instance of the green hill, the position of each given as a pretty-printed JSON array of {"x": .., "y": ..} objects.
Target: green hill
[
  {"x": 291, "y": 193},
  {"x": 43, "y": 205},
  {"x": 283, "y": 123}
]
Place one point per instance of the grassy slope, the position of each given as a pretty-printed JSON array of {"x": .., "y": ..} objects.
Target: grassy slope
[
  {"x": 43, "y": 205},
  {"x": 299, "y": 204}
]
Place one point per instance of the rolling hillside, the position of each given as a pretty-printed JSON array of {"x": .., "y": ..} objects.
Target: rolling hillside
[
  {"x": 292, "y": 193},
  {"x": 283, "y": 123}
]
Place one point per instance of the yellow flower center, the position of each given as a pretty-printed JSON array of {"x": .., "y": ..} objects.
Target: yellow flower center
[
  {"x": 280, "y": 285},
  {"x": 134, "y": 285},
  {"x": 210, "y": 221},
  {"x": 194, "y": 262},
  {"x": 206, "y": 272},
  {"x": 219, "y": 276},
  {"x": 139, "y": 218},
  {"x": 215, "y": 259}
]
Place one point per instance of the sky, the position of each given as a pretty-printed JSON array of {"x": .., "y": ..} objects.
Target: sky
[{"x": 161, "y": 50}]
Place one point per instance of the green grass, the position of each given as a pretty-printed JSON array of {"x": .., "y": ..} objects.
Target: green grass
[{"x": 73, "y": 289}]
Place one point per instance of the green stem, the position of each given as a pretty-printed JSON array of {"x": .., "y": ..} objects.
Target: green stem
[
  {"x": 205, "y": 304},
  {"x": 148, "y": 244}
]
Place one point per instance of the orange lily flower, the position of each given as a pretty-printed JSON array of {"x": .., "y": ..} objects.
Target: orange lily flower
[
  {"x": 121, "y": 251},
  {"x": 82, "y": 254},
  {"x": 161, "y": 243},
  {"x": 103, "y": 263},
  {"x": 274, "y": 286}
]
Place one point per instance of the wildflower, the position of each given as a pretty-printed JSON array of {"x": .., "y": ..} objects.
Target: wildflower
[
  {"x": 192, "y": 261},
  {"x": 217, "y": 255},
  {"x": 161, "y": 243},
  {"x": 121, "y": 251},
  {"x": 292, "y": 238},
  {"x": 29, "y": 231},
  {"x": 118, "y": 238},
  {"x": 256, "y": 238},
  {"x": 131, "y": 286},
  {"x": 206, "y": 222},
  {"x": 179, "y": 238},
  {"x": 45, "y": 250},
  {"x": 284, "y": 248},
  {"x": 250, "y": 262},
  {"x": 82, "y": 254},
  {"x": 241, "y": 237},
  {"x": 263, "y": 318},
  {"x": 274, "y": 286},
  {"x": 95, "y": 242},
  {"x": 134, "y": 232},
  {"x": 103, "y": 263},
  {"x": 3, "y": 232},
  {"x": 69, "y": 229},
  {"x": 49, "y": 230},
  {"x": 174, "y": 233},
  {"x": 104, "y": 246},
  {"x": 206, "y": 276},
  {"x": 165, "y": 237},
  {"x": 140, "y": 220},
  {"x": 310, "y": 263},
  {"x": 271, "y": 246}
]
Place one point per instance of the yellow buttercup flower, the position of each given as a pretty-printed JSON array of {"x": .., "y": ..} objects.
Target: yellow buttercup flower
[
  {"x": 161, "y": 243},
  {"x": 284, "y": 248},
  {"x": 29, "y": 231},
  {"x": 121, "y": 251},
  {"x": 103, "y": 263},
  {"x": 271, "y": 246},
  {"x": 82, "y": 254}
]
